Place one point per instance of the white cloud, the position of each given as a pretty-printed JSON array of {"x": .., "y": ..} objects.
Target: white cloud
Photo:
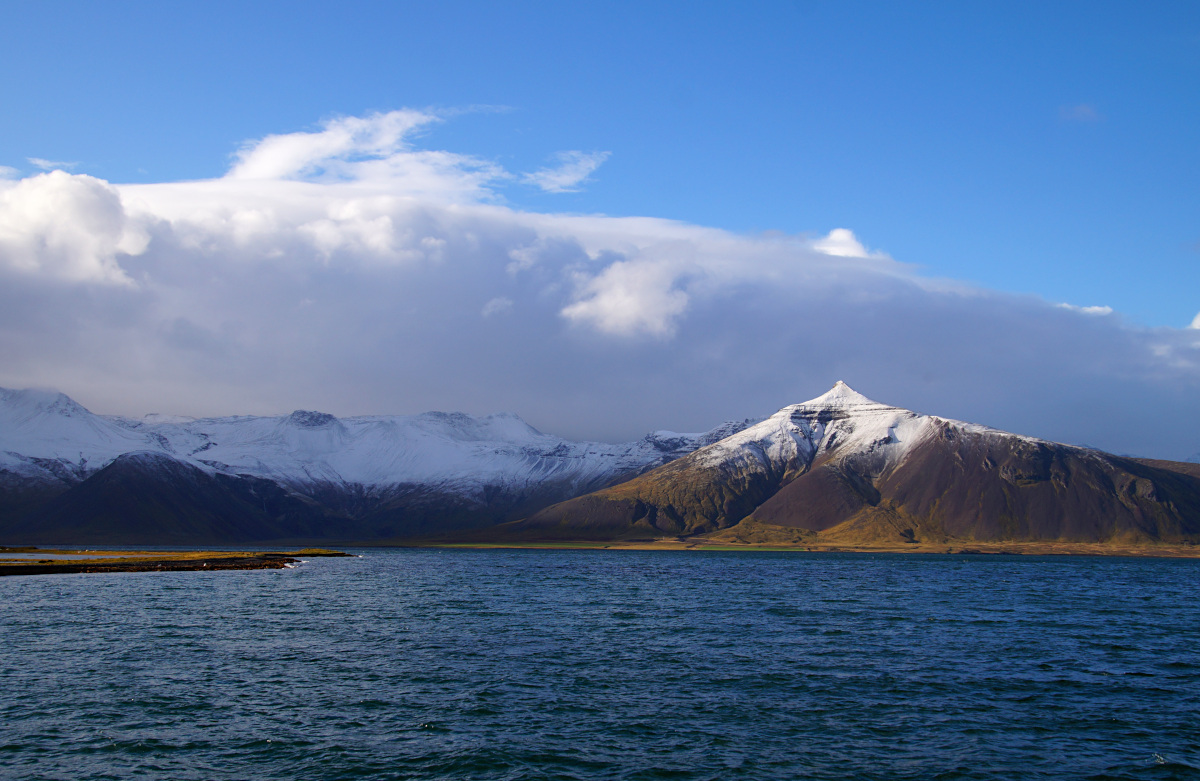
[
  {"x": 344, "y": 270},
  {"x": 841, "y": 243},
  {"x": 368, "y": 151},
  {"x": 50, "y": 165},
  {"x": 66, "y": 227},
  {"x": 342, "y": 142},
  {"x": 1088, "y": 310},
  {"x": 573, "y": 169},
  {"x": 7, "y": 172},
  {"x": 630, "y": 297},
  {"x": 497, "y": 306},
  {"x": 1195, "y": 321}
]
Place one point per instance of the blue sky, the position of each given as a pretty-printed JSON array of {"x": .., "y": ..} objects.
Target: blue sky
[
  {"x": 1042, "y": 150},
  {"x": 1028, "y": 147}
]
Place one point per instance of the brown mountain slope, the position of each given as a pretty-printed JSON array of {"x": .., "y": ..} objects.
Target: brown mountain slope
[
  {"x": 972, "y": 487},
  {"x": 844, "y": 468},
  {"x": 1182, "y": 467}
]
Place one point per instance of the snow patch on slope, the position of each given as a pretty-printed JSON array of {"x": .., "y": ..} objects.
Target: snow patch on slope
[{"x": 836, "y": 424}]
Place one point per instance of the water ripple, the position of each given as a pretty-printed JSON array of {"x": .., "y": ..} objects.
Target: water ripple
[{"x": 410, "y": 664}]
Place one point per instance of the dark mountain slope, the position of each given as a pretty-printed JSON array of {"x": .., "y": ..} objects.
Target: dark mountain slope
[{"x": 150, "y": 498}]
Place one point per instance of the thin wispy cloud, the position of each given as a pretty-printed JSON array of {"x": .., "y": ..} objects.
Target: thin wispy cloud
[
  {"x": 1088, "y": 310},
  {"x": 1081, "y": 112},
  {"x": 573, "y": 169},
  {"x": 342, "y": 142},
  {"x": 348, "y": 270},
  {"x": 497, "y": 306},
  {"x": 51, "y": 165}
]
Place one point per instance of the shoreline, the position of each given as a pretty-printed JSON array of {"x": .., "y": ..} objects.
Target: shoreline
[
  {"x": 956, "y": 548},
  {"x": 132, "y": 560},
  {"x": 98, "y": 561}
]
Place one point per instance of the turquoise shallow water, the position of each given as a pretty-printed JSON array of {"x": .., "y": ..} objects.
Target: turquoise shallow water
[{"x": 608, "y": 664}]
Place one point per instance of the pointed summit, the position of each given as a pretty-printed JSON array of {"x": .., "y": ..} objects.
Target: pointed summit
[{"x": 840, "y": 395}]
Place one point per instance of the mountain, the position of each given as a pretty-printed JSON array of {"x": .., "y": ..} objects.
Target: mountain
[
  {"x": 844, "y": 468},
  {"x": 153, "y": 498},
  {"x": 67, "y": 475},
  {"x": 840, "y": 468}
]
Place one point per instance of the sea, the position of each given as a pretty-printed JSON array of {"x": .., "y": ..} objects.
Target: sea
[{"x": 598, "y": 664}]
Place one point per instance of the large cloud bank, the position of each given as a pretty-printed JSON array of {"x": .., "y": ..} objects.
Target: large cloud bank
[{"x": 350, "y": 271}]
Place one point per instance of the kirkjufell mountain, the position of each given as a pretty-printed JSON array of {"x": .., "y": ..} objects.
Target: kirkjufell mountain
[{"x": 840, "y": 468}]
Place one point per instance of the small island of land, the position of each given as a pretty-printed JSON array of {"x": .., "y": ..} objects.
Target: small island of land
[{"x": 18, "y": 561}]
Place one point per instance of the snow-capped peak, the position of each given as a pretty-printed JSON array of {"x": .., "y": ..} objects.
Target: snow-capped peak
[
  {"x": 48, "y": 424},
  {"x": 30, "y": 403},
  {"x": 841, "y": 395},
  {"x": 841, "y": 420},
  {"x": 839, "y": 424}
]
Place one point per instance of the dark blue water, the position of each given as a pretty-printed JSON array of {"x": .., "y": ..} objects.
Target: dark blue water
[{"x": 595, "y": 664}]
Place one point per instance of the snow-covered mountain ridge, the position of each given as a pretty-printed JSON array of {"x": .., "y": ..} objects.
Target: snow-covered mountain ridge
[
  {"x": 48, "y": 433},
  {"x": 840, "y": 466}
]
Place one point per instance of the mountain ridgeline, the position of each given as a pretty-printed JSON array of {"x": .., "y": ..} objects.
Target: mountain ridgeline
[
  {"x": 843, "y": 468},
  {"x": 838, "y": 469},
  {"x": 68, "y": 476}
]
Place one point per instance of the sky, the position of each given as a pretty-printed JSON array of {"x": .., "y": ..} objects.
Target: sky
[{"x": 610, "y": 217}]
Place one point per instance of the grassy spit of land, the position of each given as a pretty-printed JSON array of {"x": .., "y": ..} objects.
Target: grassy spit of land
[{"x": 77, "y": 561}]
